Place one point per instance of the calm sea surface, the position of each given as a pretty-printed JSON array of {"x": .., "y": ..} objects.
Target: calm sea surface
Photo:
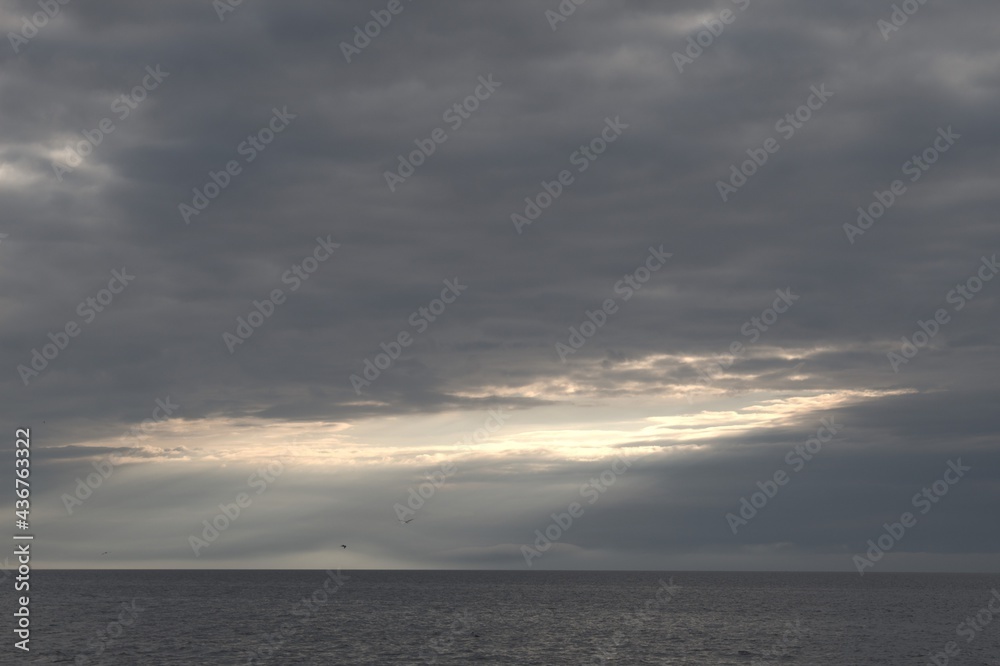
[{"x": 543, "y": 618}]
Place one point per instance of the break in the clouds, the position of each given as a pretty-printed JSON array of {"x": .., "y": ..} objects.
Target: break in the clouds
[{"x": 336, "y": 265}]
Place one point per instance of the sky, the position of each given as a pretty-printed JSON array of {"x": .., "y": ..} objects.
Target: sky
[{"x": 616, "y": 285}]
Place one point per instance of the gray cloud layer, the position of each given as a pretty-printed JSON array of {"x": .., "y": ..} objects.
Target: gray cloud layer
[{"x": 655, "y": 185}]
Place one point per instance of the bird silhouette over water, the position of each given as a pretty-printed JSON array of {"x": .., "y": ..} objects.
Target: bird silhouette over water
[{"x": 343, "y": 546}]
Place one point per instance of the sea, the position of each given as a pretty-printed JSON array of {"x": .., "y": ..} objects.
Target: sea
[{"x": 542, "y": 618}]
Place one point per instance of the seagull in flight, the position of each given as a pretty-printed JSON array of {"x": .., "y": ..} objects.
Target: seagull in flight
[
  {"x": 403, "y": 522},
  {"x": 343, "y": 546}
]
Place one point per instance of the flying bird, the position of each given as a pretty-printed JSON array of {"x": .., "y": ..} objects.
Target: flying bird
[
  {"x": 403, "y": 522},
  {"x": 343, "y": 546}
]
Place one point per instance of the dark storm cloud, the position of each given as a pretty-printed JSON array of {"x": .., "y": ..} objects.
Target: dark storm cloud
[{"x": 323, "y": 176}]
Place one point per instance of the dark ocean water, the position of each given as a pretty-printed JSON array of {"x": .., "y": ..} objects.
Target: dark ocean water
[{"x": 543, "y": 618}]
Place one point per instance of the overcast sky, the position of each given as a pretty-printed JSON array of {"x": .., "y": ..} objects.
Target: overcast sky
[{"x": 646, "y": 111}]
